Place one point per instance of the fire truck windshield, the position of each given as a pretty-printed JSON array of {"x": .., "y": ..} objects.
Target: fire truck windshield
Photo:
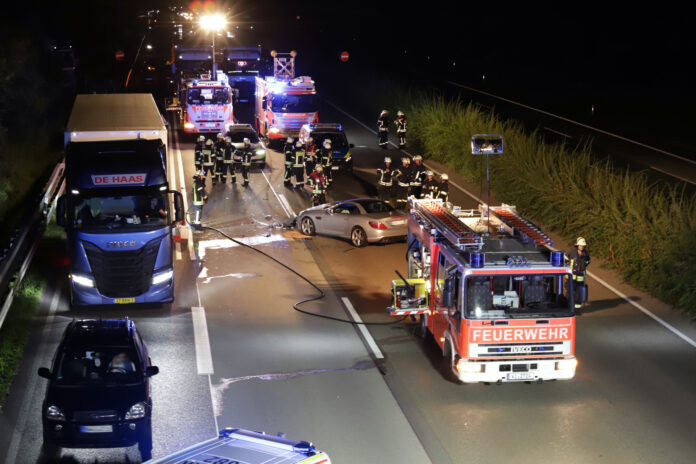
[
  {"x": 304, "y": 103},
  {"x": 208, "y": 96},
  {"x": 518, "y": 296},
  {"x": 105, "y": 213}
]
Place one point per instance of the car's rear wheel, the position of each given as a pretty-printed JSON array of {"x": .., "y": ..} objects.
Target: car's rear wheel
[
  {"x": 358, "y": 237},
  {"x": 307, "y": 226}
]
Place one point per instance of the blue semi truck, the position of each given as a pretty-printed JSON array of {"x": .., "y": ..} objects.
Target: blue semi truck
[{"x": 117, "y": 210}]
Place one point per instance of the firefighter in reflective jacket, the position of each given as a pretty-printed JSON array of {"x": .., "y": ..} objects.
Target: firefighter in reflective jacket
[
  {"x": 385, "y": 181},
  {"x": 208, "y": 160},
  {"x": 310, "y": 156},
  {"x": 317, "y": 182},
  {"x": 401, "y": 128},
  {"x": 418, "y": 173},
  {"x": 289, "y": 150},
  {"x": 326, "y": 160},
  {"x": 298, "y": 166},
  {"x": 403, "y": 183},
  {"x": 244, "y": 155},
  {"x": 579, "y": 260},
  {"x": 197, "y": 156},
  {"x": 429, "y": 189},
  {"x": 199, "y": 199},
  {"x": 228, "y": 161},
  {"x": 443, "y": 188},
  {"x": 383, "y": 128},
  {"x": 219, "y": 155}
]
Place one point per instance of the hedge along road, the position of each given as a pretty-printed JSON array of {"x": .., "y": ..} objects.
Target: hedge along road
[{"x": 625, "y": 405}]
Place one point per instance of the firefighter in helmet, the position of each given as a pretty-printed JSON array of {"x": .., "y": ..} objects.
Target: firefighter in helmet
[
  {"x": 199, "y": 199},
  {"x": 403, "y": 182},
  {"x": 208, "y": 160},
  {"x": 197, "y": 156},
  {"x": 228, "y": 161},
  {"x": 443, "y": 188},
  {"x": 579, "y": 260},
  {"x": 418, "y": 175},
  {"x": 429, "y": 189},
  {"x": 401, "y": 128},
  {"x": 326, "y": 160},
  {"x": 383, "y": 128},
  {"x": 385, "y": 179},
  {"x": 244, "y": 155},
  {"x": 317, "y": 182},
  {"x": 289, "y": 150},
  {"x": 298, "y": 166},
  {"x": 310, "y": 156},
  {"x": 219, "y": 156}
]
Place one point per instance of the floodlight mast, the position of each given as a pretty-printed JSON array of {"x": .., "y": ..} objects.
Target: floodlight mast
[
  {"x": 214, "y": 23},
  {"x": 487, "y": 144}
]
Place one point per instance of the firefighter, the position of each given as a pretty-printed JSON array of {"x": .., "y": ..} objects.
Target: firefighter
[
  {"x": 245, "y": 154},
  {"x": 299, "y": 165},
  {"x": 430, "y": 185},
  {"x": 326, "y": 160},
  {"x": 200, "y": 143},
  {"x": 383, "y": 129},
  {"x": 579, "y": 260},
  {"x": 443, "y": 188},
  {"x": 219, "y": 156},
  {"x": 418, "y": 175},
  {"x": 199, "y": 199},
  {"x": 310, "y": 156},
  {"x": 317, "y": 182},
  {"x": 208, "y": 161},
  {"x": 385, "y": 181},
  {"x": 403, "y": 182},
  {"x": 228, "y": 162},
  {"x": 401, "y": 128},
  {"x": 289, "y": 150}
]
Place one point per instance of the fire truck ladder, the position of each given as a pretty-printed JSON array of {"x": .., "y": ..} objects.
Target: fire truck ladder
[
  {"x": 284, "y": 65},
  {"x": 510, "y": 217},
  {"x": 448, "y": 225}
]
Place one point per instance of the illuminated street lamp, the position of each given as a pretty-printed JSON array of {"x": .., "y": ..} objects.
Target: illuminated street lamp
[{"x": 214, "y": 23}]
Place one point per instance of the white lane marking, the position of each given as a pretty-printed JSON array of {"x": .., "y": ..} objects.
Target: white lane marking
[
  {"x": 673, "y": 175},
  {"x": 363, "y": 330},
  {"x": 625, "y": 139},
  {"x": 557, "y": 132},
  {"x": 598, "y": 279},
  {"x": 287, "y": 212},
  {"x": 237, "y": 275},
  {"x": 212, "y": 400},
  {"x": 288, "y": 208},
  {"x": 204, "y": 359},
  {"x": 192, "y": 253},
  {"x": 177, "y": 250},
  {"x": 13, "y": 449}
]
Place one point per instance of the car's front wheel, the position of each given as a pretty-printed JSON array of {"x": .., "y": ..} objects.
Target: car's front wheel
[
  {"x": 358, "y": 237},
  {"x": 145, "y": 442},
  {"x": 307, "y": 226}
]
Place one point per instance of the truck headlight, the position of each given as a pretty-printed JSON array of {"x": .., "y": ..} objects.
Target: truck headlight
[
  {"x": 566, "y": 364},
  {"x": 469, "y": 367},
  {"x": 162, "y": 277},
  {"x": 137, "y": 411},
  {"x": 274, "y": 130},
  {"x": 189, "y": 125},
  {"x": 260, "y": 151},
  {"x": 54, "y": 413},
  {"x": 82, "y": 280}
]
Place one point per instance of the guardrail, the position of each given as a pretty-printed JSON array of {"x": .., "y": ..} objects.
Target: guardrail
[{"x": 15, "y": 259}]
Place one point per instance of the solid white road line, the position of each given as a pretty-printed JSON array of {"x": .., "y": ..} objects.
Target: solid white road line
[
  {"x": 288, "y": 212},
  {"x": 192, "y": 253},
  {"x": 13, "y": 449},
  {"x": 656, "y": 318},
  {"x": 673, "y": 175},
  {"x": 177, "y": 250},
  {"x": 363, "y": 330},
  {"x": 204, "y": 359},
  {"x": 285, "y": 202},
  {"x": 557, "y": 132}
]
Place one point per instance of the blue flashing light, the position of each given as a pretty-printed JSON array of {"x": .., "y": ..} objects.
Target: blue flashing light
[
  {"x": 194, "y": 83},
  {"x": 477, "y": 260},
  {"x": 303, "y": 447},
  {"x": 557, "y": 258}
]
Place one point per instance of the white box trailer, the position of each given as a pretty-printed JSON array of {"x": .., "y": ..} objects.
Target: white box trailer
[{"x": 115, "y": 116}]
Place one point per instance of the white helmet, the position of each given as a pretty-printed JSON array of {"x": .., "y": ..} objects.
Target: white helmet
[
  {"x": 418, "y": 158},
  {"x": 399, "y": 113},
  {"x": 387, "y": 159},
  {"x": 327, "y": 143},
  {"x": 201, "y": 138},
  {"x": 429, "y": 173},
  {"x": 318, "y": 168},
  {"x": 580, "y": 242},
  {"x": 384, "y": 112},
  {"x": 208, "y": 142},
  {"x": 406, "y": 160},
  {"x": 246, "y": 141},
  {"x": 228, "y": 139},
  {"x": 221, "y": 135},
  {"x": 310, "y": 139},
  {"x": 444, "y": 177},
  {"x": 290, "y": 140}
]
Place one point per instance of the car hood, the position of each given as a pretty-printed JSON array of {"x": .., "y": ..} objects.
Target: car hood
[
  {"x": 321, "y": 207},
  {"x": 95, "y": 398}
]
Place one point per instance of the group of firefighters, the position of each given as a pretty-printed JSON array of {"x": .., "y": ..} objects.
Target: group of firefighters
[
  {"x": 411, "y": 178},
  {"x": 307, "y": 158}
]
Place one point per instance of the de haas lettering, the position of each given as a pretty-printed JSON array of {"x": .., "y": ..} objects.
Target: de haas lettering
[{"x": 118, "y": 179}]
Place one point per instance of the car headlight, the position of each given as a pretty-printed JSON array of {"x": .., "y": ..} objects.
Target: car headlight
[
  {"x": 260, "y": 151},
  {"x": 54, "y": 413},
  {"x": 566, "y": 364},
  {"x": 162, "y": 277},
  {"x": 82, "y": 280},
  {"x": 469, "y": 367},
  {"x": 137, "y": 411}
]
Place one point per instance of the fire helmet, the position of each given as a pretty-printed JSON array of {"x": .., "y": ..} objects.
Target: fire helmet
[{"x": 580, "y": 242}]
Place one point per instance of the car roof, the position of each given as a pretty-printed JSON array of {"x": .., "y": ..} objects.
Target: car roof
[{"x": 99, "y": 332}]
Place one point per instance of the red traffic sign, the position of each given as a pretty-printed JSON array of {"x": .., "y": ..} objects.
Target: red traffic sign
[
  {"x": 120, "y": 55},
  {"x": 344, "y": 56}
]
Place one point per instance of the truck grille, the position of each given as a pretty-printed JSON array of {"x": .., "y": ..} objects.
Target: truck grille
[{"x": 122, "y": 273}]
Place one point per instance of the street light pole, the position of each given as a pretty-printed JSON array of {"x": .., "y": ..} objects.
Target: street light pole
[
  {"x": 214, "y": 62},
  {"x": 213, "y": 23}
]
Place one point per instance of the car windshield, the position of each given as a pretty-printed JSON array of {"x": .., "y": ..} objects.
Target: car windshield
[
  {"x": 147, "y": 209},
  {"x": 208, "y": 96},
  {"x": 112, "y": 365},
  {"x": 238, "y": 136},
  {"x": 375, "y": 206},
  {"x": 518, "y": 296},
  {"x": 338, "y": 139},
  {"x": 283, "y": 103}
]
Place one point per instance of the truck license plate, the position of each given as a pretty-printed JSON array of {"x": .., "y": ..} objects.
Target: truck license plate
[
  {"x": 124, "y": 300},
  {"x": 96, "y": 428},
  {"x": 520, "y": 376}
]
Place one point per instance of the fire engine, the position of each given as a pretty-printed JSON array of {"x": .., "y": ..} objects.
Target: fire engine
[
  {"x": 492, "y": 292},
  {"x": 284, "y": 102},
  {"x": 207, "y": 104}
]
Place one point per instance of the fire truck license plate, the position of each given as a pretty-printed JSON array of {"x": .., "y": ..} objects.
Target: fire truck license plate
[
  {"x": 520, "y": 376},
  {"x": 124, "y": 300}
]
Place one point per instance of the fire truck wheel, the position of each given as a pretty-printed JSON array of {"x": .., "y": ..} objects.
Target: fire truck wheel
[
  {"x": 449, "y": 358},
  {"x": 307, "y": 226},
  {"x": 358, "y": 237},
  {"x": 422, "y": 330}
]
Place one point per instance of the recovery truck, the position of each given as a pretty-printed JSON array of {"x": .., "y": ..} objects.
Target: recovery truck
[
  {"x": 243, "y": 446},
  {"x": 491, "y": 291},
  {"x": 284, "y": 102},
  {"x": 117, "y": 210}
]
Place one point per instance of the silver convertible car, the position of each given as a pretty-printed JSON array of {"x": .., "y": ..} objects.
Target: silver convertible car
[{"x": 362, "y": 221}]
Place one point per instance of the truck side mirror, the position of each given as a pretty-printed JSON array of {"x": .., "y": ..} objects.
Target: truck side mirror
[
  {"x": 178, "y": 206},
  {"x": 448, "y": 292},
  {"x": 60, "y": 211}
]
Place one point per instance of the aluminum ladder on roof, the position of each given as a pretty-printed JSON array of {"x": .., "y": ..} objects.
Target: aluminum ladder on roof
[{"x": 447, "y": 224}]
